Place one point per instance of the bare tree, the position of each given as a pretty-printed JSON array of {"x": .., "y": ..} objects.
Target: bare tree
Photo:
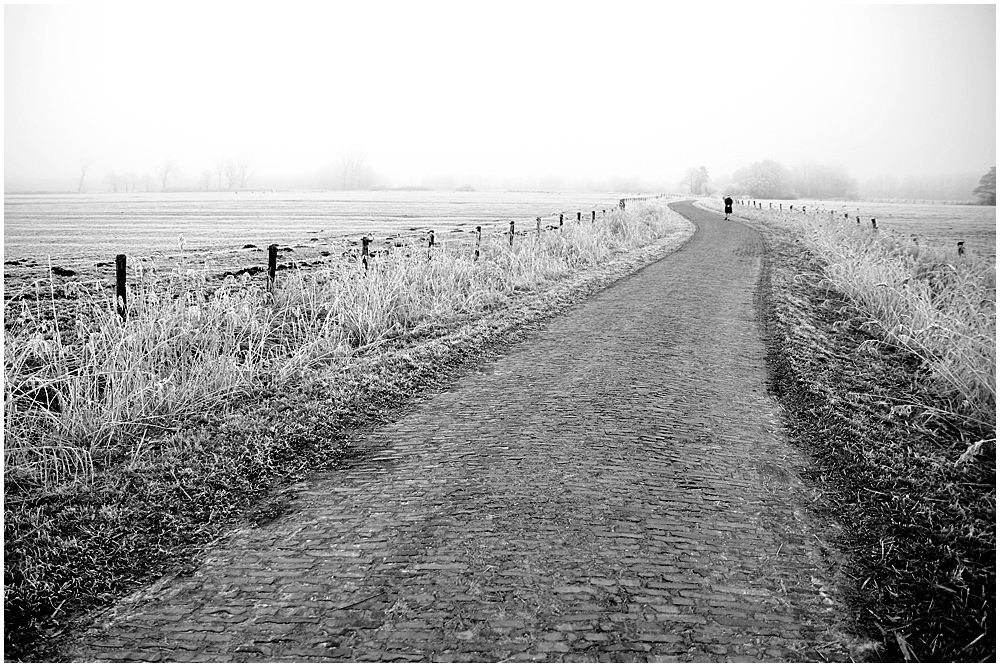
[
  {"x": 695, "y": 178},
  {"x": 131, "y": 180},
  {"x": 352, "y": 168},
  {"x": 85, "y": 166},
  {"x": 245, "y": 169},
  {"x": 167, "y": 169},
  {"x": 220, "y": 168},
  {"x": 206, "y": 179},
  {"x": 148, "y": 182},
  {"x": 232, "y": 173},
  {"x": 114, "y": 180}
]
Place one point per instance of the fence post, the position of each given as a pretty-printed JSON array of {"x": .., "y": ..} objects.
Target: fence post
[
  {"x": 621, "y": 204},
  {"x": 364, "y": 252},
  {"x": 593, "y": 216},
  {"x": 120, "y": 297},
  {"x": 479, "y": 238},
  {"x": 430, "y": 242},
  {"x": 874, "y": 223},
  {"x": 272, "y": 264},
  {"x": 560, "y": 221},
  {"x": 538, "y": 226},
  {"x": 511, "y": 233},
  {"x": 961, "y": 248},
  {"x": 578, "y": 216}
]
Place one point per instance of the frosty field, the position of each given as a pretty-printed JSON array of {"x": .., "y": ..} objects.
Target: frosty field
[
  {"x": 83, "y": 233},
  {"x": 937, "y": 224}
]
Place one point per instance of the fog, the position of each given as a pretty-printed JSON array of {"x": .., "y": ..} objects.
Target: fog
[{"x": 500, "y": 94}]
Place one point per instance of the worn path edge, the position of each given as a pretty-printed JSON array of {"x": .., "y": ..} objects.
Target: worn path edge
[{"x": 617, "y": 486}]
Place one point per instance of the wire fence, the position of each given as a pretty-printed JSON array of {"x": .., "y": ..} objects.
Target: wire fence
[{"x": 362, "y": 250}]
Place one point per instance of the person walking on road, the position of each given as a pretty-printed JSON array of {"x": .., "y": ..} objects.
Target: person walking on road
[{"x": 729, "y": 205}]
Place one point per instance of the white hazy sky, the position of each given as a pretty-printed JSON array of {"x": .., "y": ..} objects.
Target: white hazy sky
[{"x": 500, "y": 87}]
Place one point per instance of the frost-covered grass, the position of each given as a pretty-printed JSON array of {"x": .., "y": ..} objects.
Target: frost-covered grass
[
  {"x": 924, "y": 298},
  {"x": 867, "y": 333},
  {"x": 125, "y": 442},
  {"x": 79, "y": 383}
]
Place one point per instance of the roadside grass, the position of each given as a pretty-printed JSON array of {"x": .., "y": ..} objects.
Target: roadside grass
[
  {"x": 129, "y": 446},
  {"x": 883, "y": 353}
]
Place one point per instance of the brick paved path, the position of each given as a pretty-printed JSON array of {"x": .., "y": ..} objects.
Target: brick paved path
[{"x": 615, "y": 488}]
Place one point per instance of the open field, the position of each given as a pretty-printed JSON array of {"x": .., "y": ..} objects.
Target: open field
[
  {"x": 937, "y": 224},
  {"x": 83, "y": 233}
]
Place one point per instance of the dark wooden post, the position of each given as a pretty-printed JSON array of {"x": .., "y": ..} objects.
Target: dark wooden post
[
  {"x": 874, "y": 223},
  {"x": 272, "y": 264},
  {"x": 479, "y": 238},
  {"x": 538, "y": 226},
  {"x": 511, "y": 233},
  {"x": 961, "y": 248},
  {"x": 364, "y": 252},
  {"x": 120, "y": 297},
  {"x": 560, "y": 221},
  {"x": 578, "y": 216},
  {"x": 593, "y": 216},
  {"x": 430, "y": 242},
  {"x": 621, "y": 204}
]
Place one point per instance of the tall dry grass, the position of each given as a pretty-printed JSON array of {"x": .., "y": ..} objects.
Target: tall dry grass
[
  {"x": 926, "y": 299},
  {"x": 83, "y": 390}
]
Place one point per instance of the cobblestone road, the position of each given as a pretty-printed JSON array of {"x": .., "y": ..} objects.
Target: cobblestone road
[{"x": 617, "y": 487}]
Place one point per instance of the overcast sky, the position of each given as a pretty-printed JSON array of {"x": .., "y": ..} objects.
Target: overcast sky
[{"x": 577, "y": 89}]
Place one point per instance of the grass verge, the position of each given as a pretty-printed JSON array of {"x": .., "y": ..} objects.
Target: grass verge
[
  {"x": 906, "y": 468},
  {"x": 110, "y": 485}
]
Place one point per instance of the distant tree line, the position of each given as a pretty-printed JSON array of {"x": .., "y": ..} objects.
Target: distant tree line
[{"x": 769, "y": 179}]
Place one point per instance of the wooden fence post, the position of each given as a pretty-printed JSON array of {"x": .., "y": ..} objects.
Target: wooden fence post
[
  {"x": 560, "y": 221},
  {"x": 120, "y": 295},
  {"x": 479, "y": 238},
  {"x": 430, "y": 242},
  {"x": 593, "y": 216},
  {"x": 874, "y": 223},
  {"x": 364, "y": 252},
  {"x": 272, "y": 264},
  {"x": 578, "y": 216},
  {"x": 538, "y": 226},
  {"x": 961, "y": 248},
  {"x": 511, "y": 233}
]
